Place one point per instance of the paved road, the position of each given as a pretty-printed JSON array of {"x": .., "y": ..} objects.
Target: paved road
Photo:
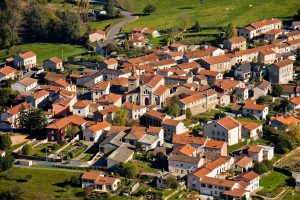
[{"x": 115, "y": 29}]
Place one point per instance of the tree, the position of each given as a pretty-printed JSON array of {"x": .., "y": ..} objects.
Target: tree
[
  {"x": 10, "y": 21},
  {"x": 109, "y": 7},
  {"x": 277, "y": 90},
  {"x": 27, "y": 149},
  {"x": 171, "y": 182},
  {"x": 74, "y": 181},
  {"x": 128, "y": 170},
  {"x": 121, "y": 117},
  {"x": 219, "y": 115},
  {"x": 32, "y": 120},
  {"x": 72, "y": 131},
  {"x": 188, "y": 113},
  {"x": 7, "y": 96},
  {"x": 15, "y": 193},
  {"x": 6, "y": 162},
  {"x": 260, "y": 168},
  {"x": 126, "y": 45},
  {"x": 294, "y": 131},
  {"x": 149, "y": 9},
  {"x": 230, "y": 31},
  {"x": 264, "y": 99},
  {"x": 5, "y": 141},
  {"x": 184, "y": 21},
  {"x": 173, "y": 109},
  {"x": 196, "y": 27},
  {"x": 284, "y": 106}
]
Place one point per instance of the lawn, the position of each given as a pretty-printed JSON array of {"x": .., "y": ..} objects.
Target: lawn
[
  {"x": 44, "y": 50},
  {"x": 169, "y": 13},
  {"x": 45, "y": 184},
  {"x": 104, "y": 24},
  {"x": 272, "y": 181},
  {"x": 292, "y": 195},
  {"x": 40, "y": 150}
]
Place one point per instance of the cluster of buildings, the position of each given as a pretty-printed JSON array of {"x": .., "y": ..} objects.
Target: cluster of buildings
[{"x": 143, "y": 86}]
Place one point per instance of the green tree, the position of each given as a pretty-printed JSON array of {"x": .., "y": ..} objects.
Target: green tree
[
  {"x": 260, "y": 168},
  {"x": 188, "y": 113},
  {"x": 171, "y": 182},
  {"x": 32, "y": 120},
  {"x": 5, "y": 141},
  {"x": 149, "y": 9},
  {"x": 109, "y": 7},
  {"x": 230, "y": 31},
  {"x": 126, "y": 45},
  {"x": 28, "y": 177},
  {"x": 10, "y": 22},
  {"x": 121, "y": 117},
  {"x": 284, "y": 106},
  {"x": 219, "y": 115},
  {"x": 173, "y": 109},
  {"x": 6, "y": 162},
  {"x": 294, "y": 131},
  {"x": 128, "y": 170},
  {"x": 74, "y": 181},
  {"x": 27, "y": 149},
  {"x": 277, "y": 90},
  {"x": 72, "y": 131},
  {"x": 7, "y": 96},
  {"x": 264, "y": 99},
  {"x": 196, "y": 27}
]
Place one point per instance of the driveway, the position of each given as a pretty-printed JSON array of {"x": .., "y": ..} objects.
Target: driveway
[{"x": 116, "y": 28}]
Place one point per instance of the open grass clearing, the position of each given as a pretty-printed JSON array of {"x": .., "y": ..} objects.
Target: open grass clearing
[
  {"x": 44, "y": 50},
  {"x": 169, "y": 13},
  {"x": 272, "y": 181},
  {"x": 45, "y": 184}
]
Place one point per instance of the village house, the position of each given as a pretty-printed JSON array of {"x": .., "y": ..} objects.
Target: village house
[
  {"x": 106, "y": 114},
  {"x": 192, "y": 56},
  {"x": 225, "y": 129},
  {"x": 85, "y": 108},
  {"x": 100, "y": 89},
  {"x": 258, "y": 28},
  {"x": 295, "y": 102},
  {"x": 110, "y": 99},
  {"x": 178, "y": 47},
  {"x": 96, "y": 132},
  {"x": 199, "y": 102},
  {"x": 38, "y": 98},
  {"x": 122, "y": 154},
  {"x": 281, "y": 72},
  {"x": 216, "y": 63},
  {"x": 272, "y": 34},
  {"x": 251, "y": 179},
  {"x": 292, "y": 35},
  {"x": 256, "y": 153},
  {"x": 9, "y": 117},
  {"x": 182, "y": 164},
  {"x": 258, "y": 111},
  {"x": 236, "y": 43},
  {"x": 146, "y": 31},
  {"x": 99, "y": 182},
  {"x": 62, "y": 83},
  {"x": 8, "y": 72},
  {"x": 263, "y": 88},
  {"x": 112, "y": 141},
  {"x": 53, "y": 64},
  {"x": 64, "y": 104},
  {"x": 267, "y": 56},
  {"x": 211, "y": 76},
  {"x": 281, "y": 121},
  {"x": 214, "y": 51},
  {"x": 243, "y": 72},
  {"x": 134, "y": 111},
  {"x": 243, "y": 164},
  {"x": 97, "y": 35},
  {"x": 89, "y": 79},
  {"x": 111, "y": 63},
  {"x": 24, "y": 85},
  {"x": 137, "y": 40},
  {"x": 172, "y": 127},
  {"x": 251, "y": 129},
  {"x": 25, "y": 61},
  {"x": 162, "y": 181},
  {"x": 56, "y": 131},
  {"x": 154, "y": 118}
]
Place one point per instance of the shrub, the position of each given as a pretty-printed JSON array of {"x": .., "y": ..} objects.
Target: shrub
[
  {"x": 149, "y": 9},
  {"x": 27, "y": 149}
]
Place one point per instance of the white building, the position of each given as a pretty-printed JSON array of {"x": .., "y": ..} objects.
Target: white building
[
  {"x": 25, "y": 61},
  {"x": 24, "y": 85}
]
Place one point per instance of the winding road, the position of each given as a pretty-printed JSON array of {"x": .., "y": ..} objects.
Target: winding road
[{"x": 116, "y": 28}]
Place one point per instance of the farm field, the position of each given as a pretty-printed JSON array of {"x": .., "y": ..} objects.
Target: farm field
[
  {"x": 44, "y": 50},
  {"x": 45, "y": 184},
  {"x": 291, "y": 161},
  {"x": 212, "y": 13}
]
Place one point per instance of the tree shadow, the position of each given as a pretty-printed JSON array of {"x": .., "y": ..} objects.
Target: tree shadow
[
  {"x": 21, "y": 180},
  {"x": 186, "y": 8}
]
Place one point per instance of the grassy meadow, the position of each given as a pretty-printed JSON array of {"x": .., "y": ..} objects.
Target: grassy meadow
[{"x": 169, "y": 13}]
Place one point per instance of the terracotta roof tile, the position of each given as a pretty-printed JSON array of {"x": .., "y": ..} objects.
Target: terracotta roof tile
[
  {"x": 259, "y": 107},
  {"x": 186, "y": 150},
  {"x": 235, "y": 40},
  {"x": 16, "y": 109},
  {"x": 283, "y": 63},
  {"x": 99, "y": 126},
  {"x": 228, "y": 123},
  {"x": 131, "y": 106},
  {"x": 27, "y": 55},
  {"x": 217, "y": 59},
  {"x": 243, "y": 162},
  {"x": 8, "y": 70},
  {"x": 254, "y": 149},
  {"x": 160, "y": 90},
  {"x": 251, "y": 125},
  {"x": 55, "y": 60}
]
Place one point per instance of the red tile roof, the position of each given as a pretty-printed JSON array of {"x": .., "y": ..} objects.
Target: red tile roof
[
  {"x": 55, "y": 60},
  {"x": 8, "y": 70},
  {"x": 235, "y": 40},
  {"x": 259, "y": 107},
  {"x": 283, "y": 63},
  {"x": 131, "y": 106},
  {"x": 160, "y": 90},
  {"x": 27, "y": 55},
  {"x": 217, "y": 59},
  {"x": 101, "y": 85},
  {"x": 254, "y": 149},
  {"x": 154, "y": 80},
  {"x": 63, "y": 122},
  {"x": 16, "y": 109},
  {"x": 186, "y": 150},
  {"x": 228, "y": 123},
  {"x": 99, "y": 126},
  {"x": 243, "y": 162}
]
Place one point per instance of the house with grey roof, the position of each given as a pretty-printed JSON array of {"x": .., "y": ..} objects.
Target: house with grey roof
[{"x": 122, "y": 154}]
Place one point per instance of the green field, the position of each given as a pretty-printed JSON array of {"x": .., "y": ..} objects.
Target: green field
[
  {"x": 272, "y": 181},
  {"x": 212, "y": 12},
  {"x": 45, "y": 184},
  {"x": 104, "y": 24},
  {"x": 44, "y": 50}
]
